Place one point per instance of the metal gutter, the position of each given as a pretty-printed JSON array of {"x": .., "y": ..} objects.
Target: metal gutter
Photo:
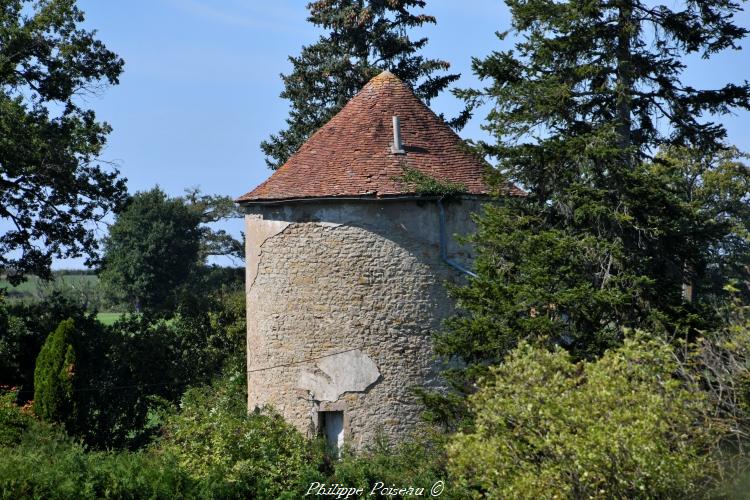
[{"x": 444, "y": 243}]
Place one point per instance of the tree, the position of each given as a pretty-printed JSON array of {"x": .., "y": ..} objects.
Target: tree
[
  {"x": 713, "y": 188},
  {"x": 54, "y": 377},
  {"x": 212, "y": 209},
  {"x": 607, "y": 236},
  {"x": 365, "y": 37},
  {"x": 24, "y": 333},
  {"x": 618, "y": 427},
  {"x": 151, "y": 251},
  {"x": 50, "y": 184}
]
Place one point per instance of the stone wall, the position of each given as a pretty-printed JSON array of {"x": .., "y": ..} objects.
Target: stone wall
[{"x": 346, "y": 286}]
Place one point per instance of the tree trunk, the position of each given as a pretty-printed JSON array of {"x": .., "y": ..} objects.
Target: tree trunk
[{"x": 624, "y": 87}]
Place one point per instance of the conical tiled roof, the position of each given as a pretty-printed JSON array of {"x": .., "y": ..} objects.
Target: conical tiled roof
[{"x": 350, "y": 156}]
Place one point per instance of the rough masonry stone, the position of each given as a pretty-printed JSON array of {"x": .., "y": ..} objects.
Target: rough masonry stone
[{"x": 326, "y": 277}]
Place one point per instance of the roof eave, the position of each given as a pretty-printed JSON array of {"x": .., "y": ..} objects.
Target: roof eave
[{"x": 370, "y": 198}]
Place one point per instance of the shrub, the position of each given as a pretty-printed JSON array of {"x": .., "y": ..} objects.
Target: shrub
[
  {"x": 123, "y": 370},
  {"x": 24, "y": 333},
  {"x": 234, "y": 454},
  {"x": 53, "y": 377},
  {"x": 39, "y": 460},
  {"x": 46, "y": 463},
  {"x": 13, "y": 421},
  {"x": 418, "y": 462},
  {"x": 619, "y": 427},
  {"x": 719, "y": 362}
]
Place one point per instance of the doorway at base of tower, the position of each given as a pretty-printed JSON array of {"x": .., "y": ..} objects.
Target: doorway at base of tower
[{"x": 331, "y": 427}]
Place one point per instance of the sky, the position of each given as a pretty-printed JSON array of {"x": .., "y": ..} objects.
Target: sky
[{"x": 201, "y": 84}]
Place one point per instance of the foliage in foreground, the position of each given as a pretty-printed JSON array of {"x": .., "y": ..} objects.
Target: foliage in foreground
[
  {"x": 419, "y": 462},
  {"x": 13, "y": 420},
  {"x": 38, "y": 460},
  {"x": 24, "y": 329},
  {"x": 211, "y": 448},
  {"x": 719, "y": 363},
  {"x": 122, "y": 369},
  {"x": 619, "y": 427},
  {"x": 235, "y": 454}
]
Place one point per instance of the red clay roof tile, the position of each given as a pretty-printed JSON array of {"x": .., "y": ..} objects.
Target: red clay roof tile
[{"x": 351, "y": 154}]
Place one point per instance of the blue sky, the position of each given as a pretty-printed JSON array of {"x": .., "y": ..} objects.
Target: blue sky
[{"x": 201, "y": 83}]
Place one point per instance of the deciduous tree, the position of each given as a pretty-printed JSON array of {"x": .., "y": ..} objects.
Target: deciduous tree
[
  {"x": 51, "y": 186},
  {"x": 152, "y": 250},
  {"x": 212, "y": 209},
  {"x": 618, "y": 427}
]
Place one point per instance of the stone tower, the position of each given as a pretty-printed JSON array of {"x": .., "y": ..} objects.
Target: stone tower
[{"x": 346, "y": 266}]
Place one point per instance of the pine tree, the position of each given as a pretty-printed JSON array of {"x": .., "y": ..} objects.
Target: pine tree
[
  {"x": 607, "y": 238},
  {"x": 54, "y": 377},
  {"x": 365, "y": 37}
]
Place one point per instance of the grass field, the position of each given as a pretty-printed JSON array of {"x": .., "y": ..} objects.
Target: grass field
[
  {"x": 81, "y": 287},
  {"x": 108, "y": 318},
  {"x": 34, "y": 288}
]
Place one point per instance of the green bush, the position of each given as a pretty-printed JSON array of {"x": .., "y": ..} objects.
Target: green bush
[
  {"x": 121, "y": 370},
  {"x": 720, "y": 362},
  {"x": 39, "y": 460},
  {"x": 13, "y": 421},
  {"x": 24, "y": 333},
  {"x": 418, "y": 462},
  {"x": 53, "y": 377},
  {"x": 235, "y": 454},
  {"x": 47, "y": 464},
  {"x": 619, "y": 427}
]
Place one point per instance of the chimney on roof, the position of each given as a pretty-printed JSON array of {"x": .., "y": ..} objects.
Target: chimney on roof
[{"x": 397, "y": 147}]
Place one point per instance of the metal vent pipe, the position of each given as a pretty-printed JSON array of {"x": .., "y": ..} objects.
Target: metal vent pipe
[{"x": 397, "y": 147}]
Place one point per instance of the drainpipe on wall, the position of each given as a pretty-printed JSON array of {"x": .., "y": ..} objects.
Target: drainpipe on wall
[{"x": 444, "y": 243}]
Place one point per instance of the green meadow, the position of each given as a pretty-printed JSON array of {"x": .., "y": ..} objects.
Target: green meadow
[{"x": 81, "y": 285}]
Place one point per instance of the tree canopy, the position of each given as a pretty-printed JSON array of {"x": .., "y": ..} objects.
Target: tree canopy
[
  {"x": 151, "y": 251},
  {"x": 51, "y": 186},
  {"x": 636, "y": 210},
  {"x": 215, "y": 208},
  {"x": 364, "y": 38}
]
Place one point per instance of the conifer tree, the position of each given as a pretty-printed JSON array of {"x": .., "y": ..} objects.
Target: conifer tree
[
  {"x": 54, "y": 377},
  {"x": 607, "y": 238},
  {"x": 364, "y": 38}
]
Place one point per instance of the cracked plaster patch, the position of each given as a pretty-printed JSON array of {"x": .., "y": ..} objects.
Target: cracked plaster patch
[
  {"x": 258, "y": 232},
  {"x": 351, "y": 371}
]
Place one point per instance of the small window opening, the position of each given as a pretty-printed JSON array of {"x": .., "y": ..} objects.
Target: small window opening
[{"x": 332, "y": 429}]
